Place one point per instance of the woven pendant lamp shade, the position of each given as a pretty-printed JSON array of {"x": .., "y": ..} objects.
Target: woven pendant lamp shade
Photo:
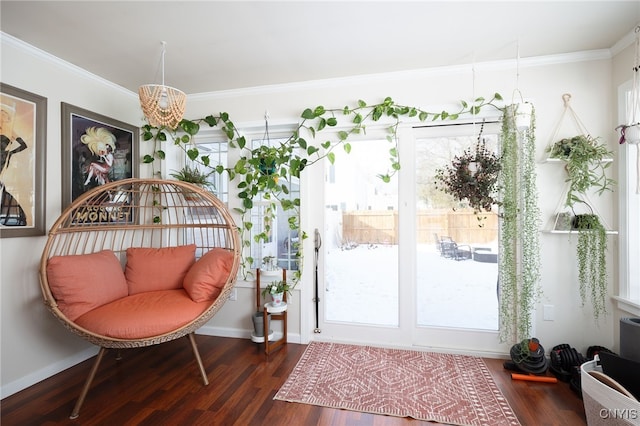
[{"x": 162, "y": 105}]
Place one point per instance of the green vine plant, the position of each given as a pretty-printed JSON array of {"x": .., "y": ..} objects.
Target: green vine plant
[
  {"x": 265, "y": 172},
  {"x": 584, "y": 156},
  {"x": 592, "y": 272},
  {"x": 519, "y": 260}
]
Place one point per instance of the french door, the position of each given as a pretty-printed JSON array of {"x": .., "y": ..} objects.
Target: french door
[{"x": 386, "y": 274}]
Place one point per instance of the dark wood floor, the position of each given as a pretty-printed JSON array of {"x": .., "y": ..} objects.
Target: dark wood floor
[{"x": 161, "y": 385}]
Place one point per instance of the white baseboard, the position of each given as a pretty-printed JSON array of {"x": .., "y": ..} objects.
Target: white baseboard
[
  {"x": 241, "y": 334},
  {"x": 44, "y": 373}
]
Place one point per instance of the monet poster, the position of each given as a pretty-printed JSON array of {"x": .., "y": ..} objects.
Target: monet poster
[
  {"x": 96, "y": 150},
  {"x": 22, "y": 160}
]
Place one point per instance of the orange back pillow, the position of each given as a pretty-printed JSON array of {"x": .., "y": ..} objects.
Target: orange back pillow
[
  {"x": 84, "y": 282},
  {"x": 151, "y": 269},
  {"x": 208, "y": 275}
]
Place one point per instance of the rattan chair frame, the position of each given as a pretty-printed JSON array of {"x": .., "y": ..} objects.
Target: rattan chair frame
[{"x": 141, "y": 213}]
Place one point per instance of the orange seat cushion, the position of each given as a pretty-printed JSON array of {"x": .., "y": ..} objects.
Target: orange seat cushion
[
  {"x": 152, "y": 269},
  {"x": 84, "y": 282},
  {"x": 208, "y": 275},
  {"x": 143, "y": 315}
]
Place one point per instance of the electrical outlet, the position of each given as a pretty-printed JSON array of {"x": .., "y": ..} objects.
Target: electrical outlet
[
  {"x": 548, "y": 314},
  {"x": 233, "y": 296}
]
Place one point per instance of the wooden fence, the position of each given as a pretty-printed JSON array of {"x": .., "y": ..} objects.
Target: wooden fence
[{"x": 381, "y": 226}]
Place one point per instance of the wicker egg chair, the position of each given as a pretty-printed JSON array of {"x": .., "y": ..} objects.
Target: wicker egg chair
[{"x": 141, "y": 213}]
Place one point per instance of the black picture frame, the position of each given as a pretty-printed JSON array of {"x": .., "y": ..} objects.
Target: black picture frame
[
  {"x": 23, "y": 163},
  {"x": 95, "y": 149}
]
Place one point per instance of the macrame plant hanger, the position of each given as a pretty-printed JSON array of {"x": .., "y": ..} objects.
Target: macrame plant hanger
[{"x": 582, "y": 130}]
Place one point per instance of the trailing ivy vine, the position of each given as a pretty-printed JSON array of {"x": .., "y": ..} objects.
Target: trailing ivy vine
[{"x": 266, "y": 171}]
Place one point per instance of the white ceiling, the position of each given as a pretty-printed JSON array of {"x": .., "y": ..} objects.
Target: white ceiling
[{"x": 219, "y": 45}]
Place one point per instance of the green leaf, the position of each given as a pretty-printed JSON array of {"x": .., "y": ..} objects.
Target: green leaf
[
  {"x": 357, "y": 119},
  {"x": 147, "y": 159},
  {"x": 497, "y": 96},
  {"x": 162, "y": 137},
  {"x": 395, "y": 166},
  {"x": 343, "y": 135},
  {"x": 302, "y": 143},
  {"x": 211, "y": 120},
  {"x": 312, "y": 150},
  {"x": 192, "y": 153},
  {"x": 308, "y": 114},
  {"x": 319, "y": 111},
  {"x": 161, "y": 155},
  {"x": 190, "y": 127},
  {"x": 331, "y": 157},
  {"x": 242, "y": 142},
  {"x": 464, "y": 104},
  {"x": 347, "y": 148},
  {"x": 322, "y": 123},
  {"x": 423, "y": 116},
  {"x": 332, "y": 121},
  {"x": 247, "y": 203},
  {"x": 361, "y": 103},
  {"x": 326, "y": 144},
  {"x": 385, "y": 178},
  {"x": 247, "y": 225}
]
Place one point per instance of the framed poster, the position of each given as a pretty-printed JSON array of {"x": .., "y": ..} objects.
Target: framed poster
[
  {"x": 95, "y": 150},
  {"x": 22, "y": 177}
]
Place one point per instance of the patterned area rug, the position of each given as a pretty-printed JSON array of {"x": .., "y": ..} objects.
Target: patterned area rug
[{"x": 444, "y": 388}]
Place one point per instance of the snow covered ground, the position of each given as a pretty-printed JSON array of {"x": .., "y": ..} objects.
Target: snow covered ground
[{"x": 361, "y": 287}]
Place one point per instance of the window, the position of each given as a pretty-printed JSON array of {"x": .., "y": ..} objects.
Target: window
[
  {"x": 281, "y": 243},
  {"x": 629, "y": 237},
  {"x": 217, "y": 151}
]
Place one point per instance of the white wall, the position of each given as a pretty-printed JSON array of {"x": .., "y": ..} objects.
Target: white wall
[{"x": 35, "y": 346}]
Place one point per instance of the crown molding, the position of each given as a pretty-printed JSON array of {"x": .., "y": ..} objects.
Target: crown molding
[
  {"x": 625, "y": 41},
  {"x": 18, "y": 44}
]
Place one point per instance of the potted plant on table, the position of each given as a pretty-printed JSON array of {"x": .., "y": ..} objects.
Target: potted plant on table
[{"x": 276, "y": 289}]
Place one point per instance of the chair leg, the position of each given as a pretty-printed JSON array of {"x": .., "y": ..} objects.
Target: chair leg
[
  {"x": 76, "y": 409},
  {"x": 203, "y": 373}
]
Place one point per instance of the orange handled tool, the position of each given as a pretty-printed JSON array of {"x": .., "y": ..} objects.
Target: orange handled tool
[{"x": 533, "y": 378}]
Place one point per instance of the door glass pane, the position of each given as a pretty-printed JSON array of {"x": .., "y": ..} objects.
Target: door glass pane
[
  {"x": 456, "y": 253},
  {"x": 361, "y": 238}
]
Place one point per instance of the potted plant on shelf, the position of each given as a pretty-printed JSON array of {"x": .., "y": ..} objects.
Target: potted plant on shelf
[
  {"x": 592, "y": 263},
  {"x": 276, "y": 289},
  {"x": 193, "y": 174},
  {"x": 586, "y": 163},
  {"x": 270, "y": 267}
]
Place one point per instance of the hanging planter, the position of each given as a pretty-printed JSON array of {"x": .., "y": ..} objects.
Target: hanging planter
[
  {"x": 519, "y": 258},
  {"x": 523, "y": 113},
  {"x": 472, "y": 176}
]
